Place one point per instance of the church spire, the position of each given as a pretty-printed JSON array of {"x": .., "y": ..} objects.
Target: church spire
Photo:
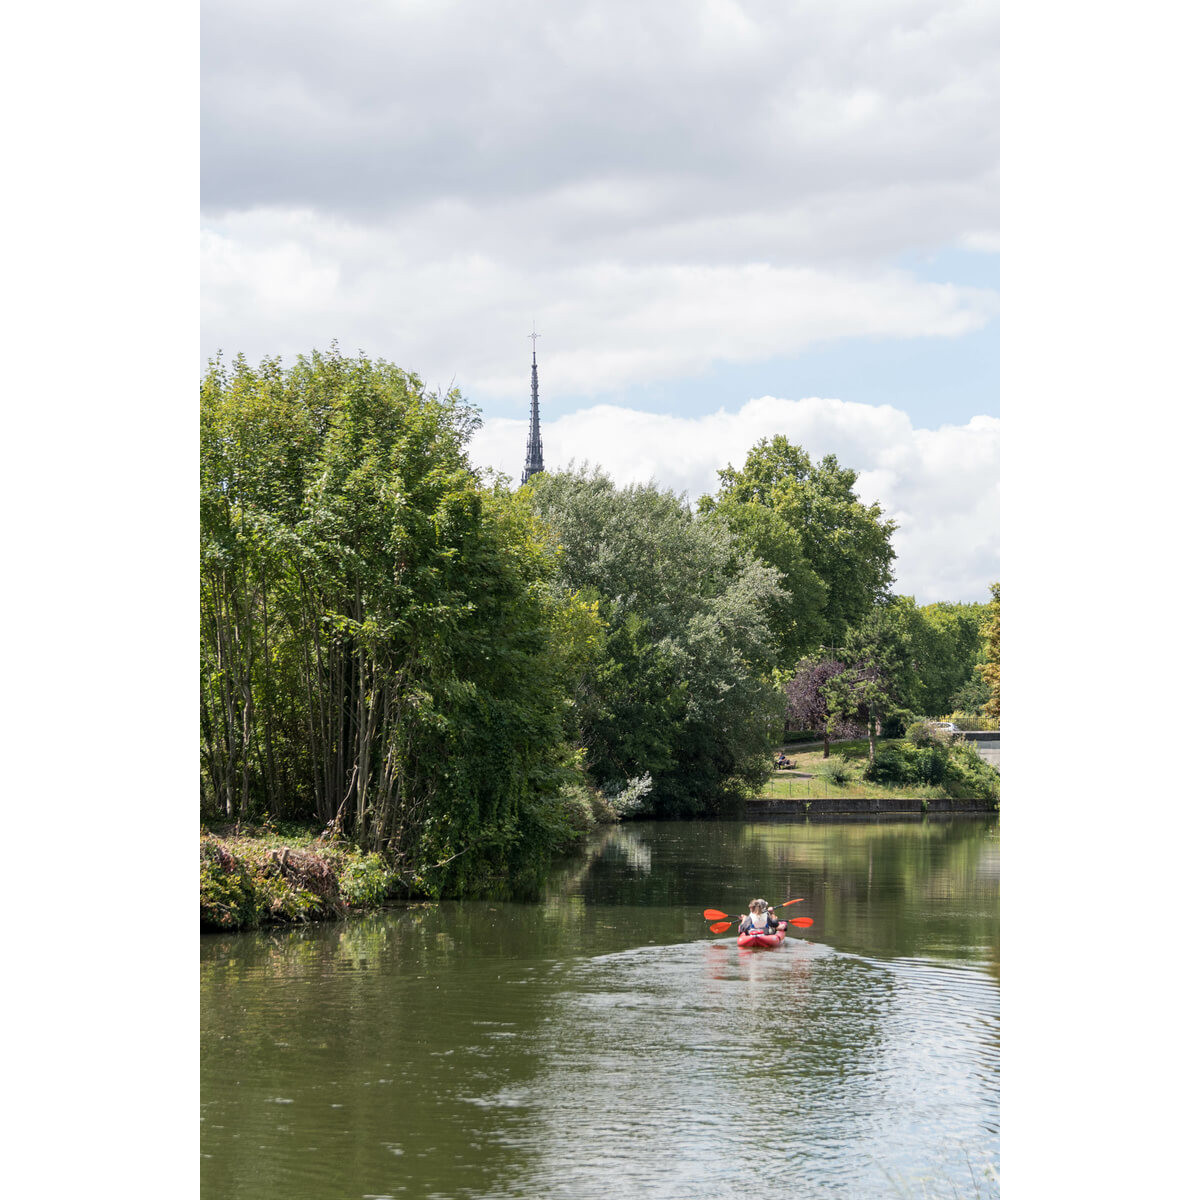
[{"x": 533, "y": 447}]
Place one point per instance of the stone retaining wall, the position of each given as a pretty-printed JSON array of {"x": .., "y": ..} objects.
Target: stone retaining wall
[{"x": 828, "y": 806}]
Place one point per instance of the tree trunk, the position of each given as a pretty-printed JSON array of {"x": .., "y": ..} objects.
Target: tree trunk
[{"x": 267, "y": 709}]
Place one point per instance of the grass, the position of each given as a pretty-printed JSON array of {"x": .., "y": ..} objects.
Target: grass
[{"x": 785, "y": 784}]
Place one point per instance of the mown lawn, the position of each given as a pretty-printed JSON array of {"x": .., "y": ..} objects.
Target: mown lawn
[{"x": 788, "y": 784}]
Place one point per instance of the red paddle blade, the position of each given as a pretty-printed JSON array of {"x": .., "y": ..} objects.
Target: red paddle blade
[
  {"x": 721, "y": 927},
  {"x": 787, "y": 902},
  {"x": 800, "y": 922},
  {"x": 714, "y": 914}
]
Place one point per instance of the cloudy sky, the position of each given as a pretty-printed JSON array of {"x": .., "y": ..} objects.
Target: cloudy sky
[{"x": 728, "y": 219}]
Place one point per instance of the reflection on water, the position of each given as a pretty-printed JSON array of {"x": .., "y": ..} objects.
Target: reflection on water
[{"x": 604, "y": 1042}]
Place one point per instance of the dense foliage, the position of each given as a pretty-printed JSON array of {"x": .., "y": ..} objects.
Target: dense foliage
[
  {"x": 952, "y": 765},
  {"x": 383, "y": 647},
  {"x": 250, "y": 881},
  {"x": 846, "y": 543},
  {"x": 990, "y": 668},
  {"x": 461, "y": 678},
  {"x": 949, "y": 648},
  {"x": 796, "y": 613},
  {"x": 683, "y": 690},
  {"x": 808, "y": 706},
  {"x": 897, "y": 661}
]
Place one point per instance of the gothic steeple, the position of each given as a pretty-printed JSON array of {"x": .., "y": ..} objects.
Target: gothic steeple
[{"x": 533, "y": 446}]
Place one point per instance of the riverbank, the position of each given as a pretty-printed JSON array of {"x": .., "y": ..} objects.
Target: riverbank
[
  {"x": 255, "y": 875},
  {"x": 264, "y": 875},
  {"x": 872, "y": 807},
  {"x": 261, "y": 876}
]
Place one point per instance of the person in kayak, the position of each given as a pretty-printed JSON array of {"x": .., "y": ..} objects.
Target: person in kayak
[{"x": 761, "y": 919}]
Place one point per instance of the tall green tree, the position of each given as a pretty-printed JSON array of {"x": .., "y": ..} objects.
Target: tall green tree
[
  {"x": 949, "y": 645},
  {"x": 382, "y": 644},
  {"x": 847, "y": 542},
  {"x": 797, "y": 616},
  {"x": 684, "y": 689},
  {"x": 881, "y": 676}
]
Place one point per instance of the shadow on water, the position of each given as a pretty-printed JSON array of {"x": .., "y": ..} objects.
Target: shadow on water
[{"x": 604, "y": 1041}]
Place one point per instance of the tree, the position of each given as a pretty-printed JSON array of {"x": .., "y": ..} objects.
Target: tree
[
  {"x": 808, "y": 705},
  {"x": 683, "y": 691},
  {"x": 847, "y": 542},
  {"x": 948, "y": 645},
  {"x": 796, "y": 617},
  {"x": 382, "y": 646},
  {"x": 989, "y": 669},
  {"x": 860, "y": 694},
  {"x": 882, "y": 674}
]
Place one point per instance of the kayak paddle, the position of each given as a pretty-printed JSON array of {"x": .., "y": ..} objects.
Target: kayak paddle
[
  {"x": 794, "y": 923},
  {"x": 715, "y": 914}
]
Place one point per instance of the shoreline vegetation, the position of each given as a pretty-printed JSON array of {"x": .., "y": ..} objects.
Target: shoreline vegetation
[
  {"x": 253, "y": 876},
  {"x": 258, "y": 874},
  {"x": 420, "y": 682}
]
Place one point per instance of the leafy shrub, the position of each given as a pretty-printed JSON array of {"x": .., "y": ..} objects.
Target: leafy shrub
[
  {"x": 365, "y": 880},
  {"x": 893, "y": 725},
  {"x": 249, "y": 881},
  {"x": 229, "y": 898},
  {"x": 904, "y": 763},
  {"x": 922, "y": 733},
  {"x": 283, "y": 900},
  {"x": 838, "y": 769},
  {"x": 577, "y": 807},
  {"x": 603, "y": 812},
  {"x": 968, "y": 777},
  {"x": 632, "y": 798},
  {"x": 954, "y": 766},
  {"x": 564, "y": 819}
]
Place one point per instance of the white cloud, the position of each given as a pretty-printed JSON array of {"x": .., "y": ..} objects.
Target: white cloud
[
  {"x": 663, "y": 187},
  {"x": 942, "y": 486},
  {"x": 288, "y": 282}
]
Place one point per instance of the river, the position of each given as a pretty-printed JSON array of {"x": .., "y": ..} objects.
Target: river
[{"x": 605, "y": 1043}]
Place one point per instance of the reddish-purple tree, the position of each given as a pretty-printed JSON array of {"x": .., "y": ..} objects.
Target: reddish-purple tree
[{"x": 808, "y": 707}]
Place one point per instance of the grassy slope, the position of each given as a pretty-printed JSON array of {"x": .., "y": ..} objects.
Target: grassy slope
[{"x": 785, "y": 785}]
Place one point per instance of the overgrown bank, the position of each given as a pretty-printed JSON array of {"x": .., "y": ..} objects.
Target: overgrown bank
[
  {"x": 261, "y": 877},
  {"x": 266, "y": 875}
]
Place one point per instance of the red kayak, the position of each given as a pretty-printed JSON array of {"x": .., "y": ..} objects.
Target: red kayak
[{"x": 763, "y": 939}]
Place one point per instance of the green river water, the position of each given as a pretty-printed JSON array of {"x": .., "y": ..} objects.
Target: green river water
[{"x": 605, "y": 1043}]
